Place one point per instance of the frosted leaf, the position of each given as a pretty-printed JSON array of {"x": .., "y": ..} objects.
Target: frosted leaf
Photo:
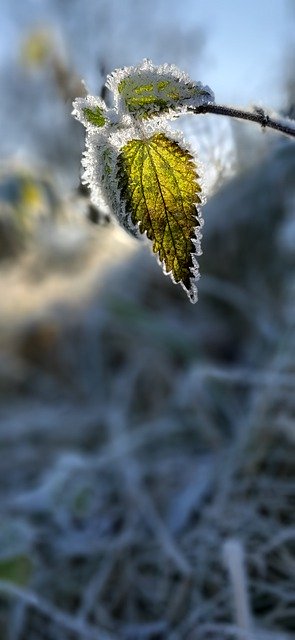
[
  {"x": 147, "y": 91},
  {"x": 91, "y": 111},
  {"x": 159, "y": 193},
  {"x": 98, "y": 161},
  {"x": 141, "y": 170}
]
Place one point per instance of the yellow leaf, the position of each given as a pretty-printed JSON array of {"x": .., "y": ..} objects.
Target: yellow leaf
[
  {"x": 159, "y": 185},
  {"x": 145, "y": 98},
  {"x": 148, "y": 91},
  {"x": 37, "y": 47}
]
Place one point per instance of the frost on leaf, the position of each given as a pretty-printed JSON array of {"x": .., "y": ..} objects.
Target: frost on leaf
[
  {"x": 91, "y": 111},
  {"x": 139, "y": 171},
  {"x": 95, "y": 116},
  {"x": 99, "y": 163},
  {"x": 159, "y": 187},
  {"x": 146, "y": 91}
]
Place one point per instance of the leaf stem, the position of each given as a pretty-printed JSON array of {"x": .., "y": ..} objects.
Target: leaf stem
[{"x": 258, "y": 115}]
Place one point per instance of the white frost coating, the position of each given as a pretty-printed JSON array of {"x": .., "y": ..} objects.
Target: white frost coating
[
  {"x": 104, "y": 144},
  {"x": 145, "y": 66},
  {"x": 99, "y": 161},
  {"x": 180, "y": 94},
  {"x": 100, "y": 175},
  {"x": 192, "y": 292},
  {"x": 90, "y": 102},
  {"x": 143, "y": 132},
  {"x": 92, "y": 162}
]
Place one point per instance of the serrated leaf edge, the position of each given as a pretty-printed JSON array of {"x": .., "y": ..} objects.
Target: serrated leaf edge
[
  {"x": 169, "y": 71},
  {"x": 121, "y": 136},
  {"x": 93, "y": 102},
  {"x": 92, "y": 163},
  {"x": 124, "y": 216}
]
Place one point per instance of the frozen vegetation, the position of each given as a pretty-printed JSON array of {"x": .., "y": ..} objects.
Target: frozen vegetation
[
  {"x": 147, "y": 447},
  {"x": 147, "y": 469}
]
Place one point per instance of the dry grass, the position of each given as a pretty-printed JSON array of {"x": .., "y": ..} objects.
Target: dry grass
[{"x": 147, "y": 446}]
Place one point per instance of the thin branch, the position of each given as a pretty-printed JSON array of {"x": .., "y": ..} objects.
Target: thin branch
[
  {"x": 71, "y": 623},
  {"x": 258, "y": 115},
  {"x": 234, "y": 559}
]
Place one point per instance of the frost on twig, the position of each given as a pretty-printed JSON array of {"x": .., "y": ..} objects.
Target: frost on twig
[
  {"x": 258, "y": 115},
  {"x": 145, "y": 174},
  {"x": 234, "y": 560}
]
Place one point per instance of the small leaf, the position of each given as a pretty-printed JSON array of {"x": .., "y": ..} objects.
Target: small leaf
[
  {"x": 159, "y": 187},
  {"x": 37, "y": 47},
  {"x": 95, "y": 116},
  {"x": 91, "y": 111},
  {"x": 147, "y": 90}
]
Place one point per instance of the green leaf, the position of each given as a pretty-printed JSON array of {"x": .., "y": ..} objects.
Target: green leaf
[
  {"x": 95, "y": 116},
  {"x": 147, "y": 90},
  {"x": 146, "y": 99},
  {"x": 91, "y": 111},
  {"x": 159, "y": 185}
]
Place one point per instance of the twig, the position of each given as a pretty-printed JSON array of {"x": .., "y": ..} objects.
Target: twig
[
  {"x": 258, "y": 115},
  {"x": 70, "y": 623},
  {"x": 162, "y": 533},
  {"x": 234, "y": 559}
]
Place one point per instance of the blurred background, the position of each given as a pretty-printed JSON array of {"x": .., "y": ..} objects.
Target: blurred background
[{"x": 147, "y": 445}]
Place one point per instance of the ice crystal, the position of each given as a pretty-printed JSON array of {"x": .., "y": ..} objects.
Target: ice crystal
[{"x": 142, "y": 170}]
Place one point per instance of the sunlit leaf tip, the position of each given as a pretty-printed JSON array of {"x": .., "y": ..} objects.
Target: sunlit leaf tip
[
  {"x": 148, "y": 90},
  {"x": 160, "y": 189},
  {"x": 91, "y": 111}
]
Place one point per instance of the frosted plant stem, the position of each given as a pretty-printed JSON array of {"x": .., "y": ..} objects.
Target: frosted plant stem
[
  {"x": 233, "y": 555},
  {"x": 258, "y": 115},
  {"x": 65, "y": 620}
]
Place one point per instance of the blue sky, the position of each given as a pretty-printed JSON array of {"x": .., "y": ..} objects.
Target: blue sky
[{"x": 246, "y": 42}]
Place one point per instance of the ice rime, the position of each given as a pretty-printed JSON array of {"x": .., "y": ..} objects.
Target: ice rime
[{"x": 144, "y": 97}]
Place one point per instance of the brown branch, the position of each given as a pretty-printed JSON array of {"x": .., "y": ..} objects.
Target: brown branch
[{"x": 258, "y": 115}]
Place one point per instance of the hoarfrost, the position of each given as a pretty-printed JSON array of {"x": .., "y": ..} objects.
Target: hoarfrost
[
  {"x": 144, "y": 96},
  {"x": 150, "y": 90}
]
